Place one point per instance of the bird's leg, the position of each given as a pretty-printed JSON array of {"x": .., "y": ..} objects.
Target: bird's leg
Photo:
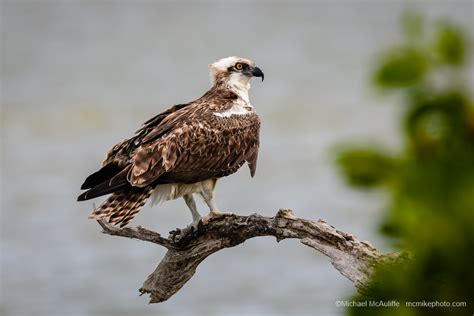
[
  {"x": 207, "y": 192},
  {"x": 189, "y": 199}
]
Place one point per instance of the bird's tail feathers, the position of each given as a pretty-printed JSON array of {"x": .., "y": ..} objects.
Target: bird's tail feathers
[{"x": 121, "y": 207}]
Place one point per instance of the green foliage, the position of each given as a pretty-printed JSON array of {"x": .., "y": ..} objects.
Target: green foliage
[
  {"x": 450, "y": 45},
  {"x": 403, "y": 67},
  {"x": 431, "y": 181},
  {"x": 366, "y": 167}
]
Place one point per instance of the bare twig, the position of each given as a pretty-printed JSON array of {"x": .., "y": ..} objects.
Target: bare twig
[
  {"x": 188, "y": 248},
  {"x": 137, "y": 233}
]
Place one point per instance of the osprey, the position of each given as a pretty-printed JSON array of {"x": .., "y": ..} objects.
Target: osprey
[{"x": 183, "y": 150}]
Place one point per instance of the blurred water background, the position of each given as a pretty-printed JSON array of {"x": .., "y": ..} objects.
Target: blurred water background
[{"x": 79, "y": 76}]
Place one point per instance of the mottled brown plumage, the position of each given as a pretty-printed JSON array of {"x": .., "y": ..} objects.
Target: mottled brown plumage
[{"x": 188, "y": 144}]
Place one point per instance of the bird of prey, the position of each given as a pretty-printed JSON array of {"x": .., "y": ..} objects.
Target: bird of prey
[{"x": 183, "y": 150}]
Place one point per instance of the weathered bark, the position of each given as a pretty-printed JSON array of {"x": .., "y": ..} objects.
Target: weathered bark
[{"x": 188, "y": 248}]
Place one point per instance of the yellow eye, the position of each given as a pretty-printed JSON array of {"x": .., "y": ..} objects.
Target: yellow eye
[{"x": 239, "y": 66}]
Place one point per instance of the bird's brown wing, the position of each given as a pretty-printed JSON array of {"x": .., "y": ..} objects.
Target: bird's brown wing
[
  {"x": 116, "y": 166},
  {"x": 122, "y": 152},
  {"x": 196, "y": 149}
]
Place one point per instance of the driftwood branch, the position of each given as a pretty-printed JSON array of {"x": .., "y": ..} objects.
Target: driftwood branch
[{"x": 188, "y": 248}]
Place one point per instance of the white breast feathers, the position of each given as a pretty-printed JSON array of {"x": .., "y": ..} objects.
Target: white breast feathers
[{"x": 240, "y": 107}]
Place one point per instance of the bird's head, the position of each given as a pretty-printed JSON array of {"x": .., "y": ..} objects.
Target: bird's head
[{"x": 235, "y": 71}]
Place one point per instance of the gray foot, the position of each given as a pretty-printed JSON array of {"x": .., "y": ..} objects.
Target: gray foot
[
  {"x": 195, "y": 224},
  {"x": 193, "y": 227}
]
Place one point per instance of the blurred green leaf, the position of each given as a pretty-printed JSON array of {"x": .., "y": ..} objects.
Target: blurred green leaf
[
  {"x": 401, "y": 68},
  {"x": 436, "y": 121},
  {"x": 450, "y": 44},
  {"x": 366, "y": 167},
  {"x": 412, "y": 23}
]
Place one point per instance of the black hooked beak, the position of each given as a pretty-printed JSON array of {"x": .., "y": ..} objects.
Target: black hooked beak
[{"x": 257, "y": 72}]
